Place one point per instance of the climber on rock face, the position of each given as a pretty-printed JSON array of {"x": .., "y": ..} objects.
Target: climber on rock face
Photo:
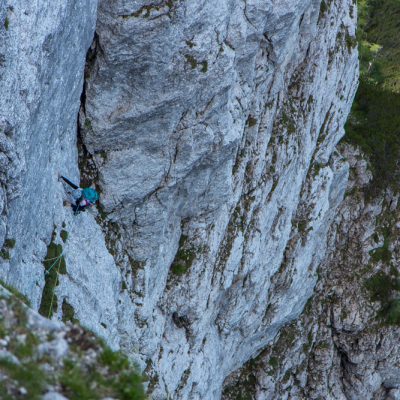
[{"x": 82, "y": 198}]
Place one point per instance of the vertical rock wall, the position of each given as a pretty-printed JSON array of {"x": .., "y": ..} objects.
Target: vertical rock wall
[
  {"x": 212, "y": 128},
  {"x": 42, "y": 55},
  {"x": 344, "y": 344}
]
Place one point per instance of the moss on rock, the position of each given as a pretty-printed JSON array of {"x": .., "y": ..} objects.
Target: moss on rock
[
  {"x": 89, "y": 370},
  {"x": 54, "y": 263},
  {"x": 184, "y": 257}
]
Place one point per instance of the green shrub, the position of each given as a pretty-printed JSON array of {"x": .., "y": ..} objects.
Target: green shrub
[
  {"x": 115, "y": 361},
  {"x": 323, "y": 8},
  {"x": 273, "y": 362},
  {"x": 381, "y": 286},
  {"x": 351, "y": 41},
  {"x": 385, "y": 288},
  {"x": 251, "y": 121},
  {"x": 29, "y": 374},
  {"x": 393, "y": 312},
  {"x": 88, "y": 123},
  {"x": 5, "y": 254},
  {"x": 127, "y": 382},
  {"x": 383, "y": 253},
  {"x": 184, "y": 257},
  {"x": 54, "y": 263},
  {"x": 191, "y": 60},
  {"x": 24, "y": 349},
  {"x": 204, "y": 66},
  {"x": 10, "y": 243},
  {"x": 76, "y": 385},
  {"x": 68, "y": 312},
  {"x": 64, "y": 235},
  {"x": 374, "y": 125}
]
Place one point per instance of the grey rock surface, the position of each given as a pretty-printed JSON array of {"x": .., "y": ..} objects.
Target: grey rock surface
[
  {"x": 42, "y": 53},
  {"x": 53, "y": 396},
  {"x": 344, "y": 344},
  {"x": 210, "y": 129}
]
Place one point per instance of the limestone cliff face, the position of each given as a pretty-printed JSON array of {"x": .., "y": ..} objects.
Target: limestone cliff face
[
  {"x": 343, "y": 345},
  {"x": 42, "y": 56},
  {"x": 210, "y": 129},
  {"x": 213, "y": 144}
]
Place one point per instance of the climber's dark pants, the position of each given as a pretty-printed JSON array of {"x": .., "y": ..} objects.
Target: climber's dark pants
[
  {"x": 69, "y": 182},
  {"x": 77, "y": 208}
]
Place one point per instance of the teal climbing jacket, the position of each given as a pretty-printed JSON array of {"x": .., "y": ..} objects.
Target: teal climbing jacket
[{"x": 90, "y": 195}]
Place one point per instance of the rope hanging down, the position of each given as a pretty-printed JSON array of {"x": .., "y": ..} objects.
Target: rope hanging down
[
  {"x": 54, "y": 287},
  {"x": 58, "y": 258},
  {"x": 53, "y": 266}
]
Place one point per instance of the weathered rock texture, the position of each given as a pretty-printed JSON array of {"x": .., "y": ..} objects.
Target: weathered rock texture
[
  {"x": 214, "y": 143},
  {"x": 210, "y": 128},
  {"x": 42, "y": 55},
  {"x": 344, "y": 345}
]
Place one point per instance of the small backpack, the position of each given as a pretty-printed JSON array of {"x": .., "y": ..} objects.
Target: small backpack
[{"x": 90, "y": 195}]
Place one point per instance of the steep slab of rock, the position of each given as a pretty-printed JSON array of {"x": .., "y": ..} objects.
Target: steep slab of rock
[
  {"x": 42, "y": 56},
  {"x": 212, "y": 127},
  {"x": 343, "y": 345}
]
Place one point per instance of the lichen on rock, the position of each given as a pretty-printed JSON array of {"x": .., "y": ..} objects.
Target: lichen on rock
[{"x": 45, "y": 359}]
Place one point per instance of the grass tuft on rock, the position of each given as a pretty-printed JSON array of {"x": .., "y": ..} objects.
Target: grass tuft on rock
[
  {"x": 8, "y": 245},
  {"x": 88, "y": 371},
  {"x": 54, "y": 263},
  {"x": 64, "y": 235},
  {"x": 251, "y": 121},
  {"x": 16, "y": 293},
  {"x": 30, "y": 375},
  {"x": 184, "y": 257},
  {"x": 68, "y": 312},
  {"x": 385, "y": 288}
]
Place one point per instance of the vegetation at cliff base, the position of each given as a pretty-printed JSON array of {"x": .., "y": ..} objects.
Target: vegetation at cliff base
[
  {"x": 385, "y": 288},
  {"x": 374, "y": 123},
  {"x": 34, "y": 360}
]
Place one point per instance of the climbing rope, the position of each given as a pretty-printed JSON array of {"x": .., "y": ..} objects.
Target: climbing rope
[
  {"x": 58, "y": 258},
  {"x": 56, "y": 261},
  {"x": 91, "y": 196},
  {"x": 54, "y": 287}
]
